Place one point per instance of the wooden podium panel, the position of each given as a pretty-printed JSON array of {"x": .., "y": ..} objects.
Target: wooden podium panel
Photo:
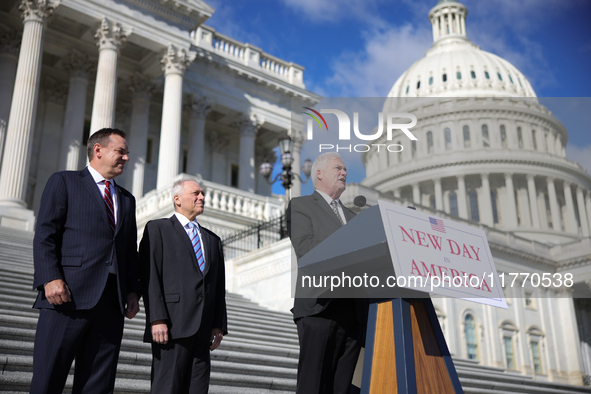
[{"x": 406, "y": 352}]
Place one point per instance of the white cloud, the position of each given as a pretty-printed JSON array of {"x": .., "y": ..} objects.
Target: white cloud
[
  {"x": 372, "y": 71},
  {"x": 580, "y": 154},
  {"x": 336, "y": 10}
]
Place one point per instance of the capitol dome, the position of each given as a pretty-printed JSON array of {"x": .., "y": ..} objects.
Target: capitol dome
[{"x": 454, "y": 66}]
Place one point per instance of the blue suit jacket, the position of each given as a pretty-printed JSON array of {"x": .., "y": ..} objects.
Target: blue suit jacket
[{"x": 74, "y": 241}]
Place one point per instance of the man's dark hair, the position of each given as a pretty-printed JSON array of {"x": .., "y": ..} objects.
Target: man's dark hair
[{"x": 101, "y": 137}]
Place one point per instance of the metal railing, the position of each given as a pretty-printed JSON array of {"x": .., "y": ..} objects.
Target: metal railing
[{"x": 255, "y": 237}]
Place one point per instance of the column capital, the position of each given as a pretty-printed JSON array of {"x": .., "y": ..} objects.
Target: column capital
[
  {"x": 141, "y": 85},
  {"x": 549, "y": 180},
  {"x": 508, "y": 175},
  {"x": 10, "y": 41},
  {"x": 110, "y": 35},
  {"x": 484, "y": 175},
  {"x": 249, "y": 125},
  {"x": 530, "y": 177},
  {"x": 38, "y": 10},
  {"x": 218, "y": 141},
  {"x": 198, "y": 106},
  {"x": 78, "y": 64},
  {"x": 298, "y": 137},
  {"x": 566, "y": 184},
  {"x": 175, "y": 61},
  {"x": 56, "y": 92}
]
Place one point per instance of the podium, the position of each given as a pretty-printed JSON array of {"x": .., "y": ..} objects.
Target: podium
[{"x": 405, "y": 351}]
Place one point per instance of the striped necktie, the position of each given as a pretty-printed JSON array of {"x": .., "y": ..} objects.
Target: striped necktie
[
  {"x": 110, "y": 207},
  {"x": 197, "y": 245},
  {"x": 334, "y": 207}
]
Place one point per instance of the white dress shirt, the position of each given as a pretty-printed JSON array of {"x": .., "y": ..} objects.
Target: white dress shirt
[
  {"x": 339, "y": 206},
  {"x": 185, "y": 223}
]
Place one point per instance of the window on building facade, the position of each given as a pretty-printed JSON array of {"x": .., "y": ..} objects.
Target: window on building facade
[
  {"x": 485, "y": 139},
  {"x": 447, "y": 136},
  {"x": 520, "y": 137},
  {"x": 432, "y": 202},
  {"x": 429, "y": 142},
  {"x": 486, "y": 75},
  {"x": 458, "y": 75},
  {"x": 466, "y": 131},
  {"x": 510, "y": 79},
  {"x": 149, "y": 150},
  {"x": 473, "y": 74},
  {"x": 444, "y": 77},
  {"x": 495, "y": 209},
  {"x": 474, "y": 214},
  {"x": 453, "y": 204},
  {"x": 529, "y": 300},
  {"x": 499, "y": 75},
  {"x": 470, "y": 334},
  {"x": 234, "y": 175},
  {"x": 408, "y": 87},
  {"x": 509, "y": 354},
  {"x": 430, "y": 80},
  {"x": 504, "y": 137},
  {"x": 418, "y": 84},
  {"x": 548, "y": 210},
  {"x": 535, "y": 355}
]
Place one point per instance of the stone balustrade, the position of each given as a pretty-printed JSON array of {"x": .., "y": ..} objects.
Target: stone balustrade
[
  {"x": 207, "y": 38},
  {"x": 218, "y": 199}
]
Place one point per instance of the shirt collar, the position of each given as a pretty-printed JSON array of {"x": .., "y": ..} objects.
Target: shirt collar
[
  {"x": 183, "y": 220},
  {"x": 98, "y": 178},
  {"x": 327, "y": 197}
]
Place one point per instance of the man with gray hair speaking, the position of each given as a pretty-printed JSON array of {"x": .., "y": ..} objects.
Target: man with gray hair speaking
[
  {"x": 184, "y": 282},
  {"x": 330, "y": 330}
]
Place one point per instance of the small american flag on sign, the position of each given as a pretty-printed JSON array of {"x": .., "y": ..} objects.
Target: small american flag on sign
[{"x": 437, "y": 225}]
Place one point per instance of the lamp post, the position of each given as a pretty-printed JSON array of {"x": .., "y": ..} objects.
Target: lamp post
[{"x": 286, "y": 176}]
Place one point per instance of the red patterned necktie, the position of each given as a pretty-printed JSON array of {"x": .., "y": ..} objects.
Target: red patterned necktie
[{"x": 110, "y": 207}]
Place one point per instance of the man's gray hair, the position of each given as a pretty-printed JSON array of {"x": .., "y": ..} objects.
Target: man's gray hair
[
  {"x": 320, "y": 163},
  {"x": 179, "y": 185}
]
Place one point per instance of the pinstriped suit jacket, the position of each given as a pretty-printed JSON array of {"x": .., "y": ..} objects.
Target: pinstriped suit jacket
[{"x": 74, "y": 241}]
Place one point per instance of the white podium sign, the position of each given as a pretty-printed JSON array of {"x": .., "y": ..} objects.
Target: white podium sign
[{"x": 440, "y": 256}]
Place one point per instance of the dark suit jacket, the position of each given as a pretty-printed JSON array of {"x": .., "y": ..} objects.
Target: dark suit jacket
[
  {"x": 175, "y": 290},
  {"x": 310, "y": 220},
  {"x": 74, "y": 241}
]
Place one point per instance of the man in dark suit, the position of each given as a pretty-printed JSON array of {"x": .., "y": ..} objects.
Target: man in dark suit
[
  {"x": 330, "y": 331},
  {"x": 85, "y": 253},
  {"x": 184, "y": 282}
]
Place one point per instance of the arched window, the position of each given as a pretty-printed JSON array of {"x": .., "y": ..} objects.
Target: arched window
[
  {"x": 485, "y": 139},
  {"x": 429, "y": 142},
  {"x": 495, "y": 207},
  {"x": 474, "y": 214},
  {"x": 486, "y": 75},
  {"x": 470, "y": 334},
  {"x": 519, "y": 80},
  {"x": 509, "y": 353},
  {"x": 408, "y": 87},
  {"x": 418, "y": 84},
  {"x": 458, "y": 75},
  {"x": 430, "y": 80},
  {"x": 510, "y": 79},
  {"x": 473, "y": 74},
  {"x": 453, "y": 204},
  {"x": 466, "y": 131},
  {"x": 499, "y": 75},
  {"x": 447, "y": 136},
  {"x": 444, "y": 77},
  {"x": 535, "y": 338},
  {"x": 504, "y": 137},
  {"x": 520, "y": 137}
]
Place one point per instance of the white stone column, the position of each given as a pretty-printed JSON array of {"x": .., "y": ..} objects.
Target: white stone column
[
  {"x": 174, "y": 64},
  {"x": 396, "y": 192},
  {"x": 199, "y": 108},
  {"x": 142, "y": 87},
  {"x": 248, "y": 126},
  {"x": 416, "y": 193},
  {"x": 15, "y": 163},
  {"x": 297, "y": 136},
  {"x": 55, "y": 98},
  {"x": 486, "y": 216},
  {"x": 462, "y": 202},
  {"x": 582, "y": 212},
  {"x": 110, "y": 36},
  {"x": 79, "y": 67},
  {"x": 9, "y": 45},
  {"x": 533, "y": 201},
  {"x": 571, "y": 221},
  {"x": 511, "y": 211},
  {"x": 588, "y": 206},
  {"x": 553, "y": 205},
  {"x": 438, "y": 194}
]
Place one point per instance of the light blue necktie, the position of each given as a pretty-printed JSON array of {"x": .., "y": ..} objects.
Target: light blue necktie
[{"x": 197, "y": 246}]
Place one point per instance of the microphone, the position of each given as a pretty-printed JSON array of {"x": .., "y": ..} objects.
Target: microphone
[{"x": 361, "y": 201}]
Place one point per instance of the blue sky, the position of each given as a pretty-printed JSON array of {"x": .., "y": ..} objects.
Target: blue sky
[{"x": 354, "y": 48}]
